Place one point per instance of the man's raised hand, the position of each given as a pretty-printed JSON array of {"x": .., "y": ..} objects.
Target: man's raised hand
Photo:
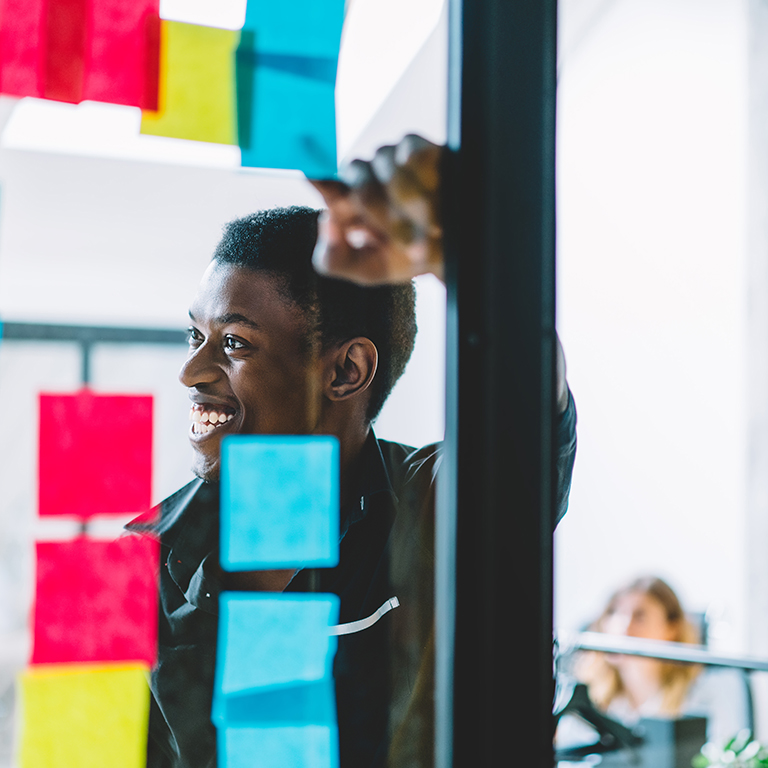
[{"x": 382, "y": 220}]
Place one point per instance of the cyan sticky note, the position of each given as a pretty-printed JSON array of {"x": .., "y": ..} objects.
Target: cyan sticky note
[
  {"x": 286, "y": 74},
  {"x": 301, "y": 27},
  {"x": 310, "y": 704},
  {"x": 292, "y": 124},
  {"x": 310, "y": 745},
  {"x": 270, "y": 640},
  {"x": 279, "y": 502}
]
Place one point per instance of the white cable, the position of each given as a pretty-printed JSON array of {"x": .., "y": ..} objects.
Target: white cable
[{"x": 358, "y": 626}]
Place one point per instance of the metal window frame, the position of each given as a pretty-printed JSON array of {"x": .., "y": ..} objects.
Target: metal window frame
[
  {"x": 496, "y": 500},
  {"x": 86, "y": 336}
]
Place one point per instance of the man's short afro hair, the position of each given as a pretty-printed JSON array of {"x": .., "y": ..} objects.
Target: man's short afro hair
[{"x": 280, "y": 241}]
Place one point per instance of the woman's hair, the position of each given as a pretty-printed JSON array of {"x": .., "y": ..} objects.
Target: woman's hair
[{"x": 604, "y": 679}]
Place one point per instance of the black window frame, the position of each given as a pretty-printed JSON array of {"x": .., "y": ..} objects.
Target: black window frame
[{"x": 497, "y": 491}]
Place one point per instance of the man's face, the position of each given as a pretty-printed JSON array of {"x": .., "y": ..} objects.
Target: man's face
[{"x": 248, "y": 370}]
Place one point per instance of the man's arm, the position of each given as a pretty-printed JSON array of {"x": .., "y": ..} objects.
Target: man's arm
[
  {"x": 382, "y": 224},
  {"x": 566, "y": 455}
]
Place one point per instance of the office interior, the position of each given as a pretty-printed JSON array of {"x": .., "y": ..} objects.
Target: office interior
[{"x": 662, "y": 288}]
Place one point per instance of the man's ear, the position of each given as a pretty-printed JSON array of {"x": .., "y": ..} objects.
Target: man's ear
[{"x": 350, "y": 368}]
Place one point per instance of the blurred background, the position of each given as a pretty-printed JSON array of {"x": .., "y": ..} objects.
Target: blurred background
[{"x": 662, "y": 286}]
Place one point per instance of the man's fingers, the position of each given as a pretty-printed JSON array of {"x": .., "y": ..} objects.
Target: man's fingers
[
  {"x": 383, "y": 164},
  {"x": 422, "y": 158},
  {"x": 382, "y": 221},
  {"x": 330, "y": 190},
  {"x": 365, "y": 263},
  {"x": 332, "y": 252},
  {"x": 358, "y": 174}
]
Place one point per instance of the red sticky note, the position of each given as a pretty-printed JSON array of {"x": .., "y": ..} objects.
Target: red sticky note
[
  {"x": 96, "y": 601},
  {"x": 122, "y": 57},
  {"x": 71, "y": 50},
  {"x": 65, "y": 49},
  {"x": 95, "y": 454},
  {"x": 22, "y": 47}
]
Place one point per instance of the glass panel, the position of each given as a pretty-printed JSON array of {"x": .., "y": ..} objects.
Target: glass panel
[
  {"x": 658, "y": 285},
  {"x": 105, "y": 236}
]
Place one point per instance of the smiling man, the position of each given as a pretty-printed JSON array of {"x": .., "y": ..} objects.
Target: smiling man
[{"x": 277, "y": 349}]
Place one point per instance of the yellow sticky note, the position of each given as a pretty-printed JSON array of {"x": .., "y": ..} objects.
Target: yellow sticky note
[
  {"x": 84, "y": 716},
  {"x": 196, "y": 98}
]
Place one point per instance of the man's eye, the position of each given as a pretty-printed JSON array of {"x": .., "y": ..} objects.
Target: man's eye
[
  {"x": 194, "y": 336},
  {"x": 230, "y": 342}
]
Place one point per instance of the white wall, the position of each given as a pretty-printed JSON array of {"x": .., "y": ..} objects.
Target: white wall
[
  {"x": 97, "y": 240},
  {"x": 652, "y": 301}
]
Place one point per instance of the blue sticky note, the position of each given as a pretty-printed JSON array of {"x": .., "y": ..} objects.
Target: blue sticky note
[
  {"x": 310, "y": 746},
  {"x": 286, "y": 75},
  {"x": 311, "y": 704},
  {"x": 271, "y": 640},
  {"x": 279, "y": 502},
  {"x": 293, "y": 122},
  {"x": 299, "y": 27}
]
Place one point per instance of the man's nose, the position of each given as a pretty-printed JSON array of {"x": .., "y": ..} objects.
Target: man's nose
[{"x": 199, "y": 367}]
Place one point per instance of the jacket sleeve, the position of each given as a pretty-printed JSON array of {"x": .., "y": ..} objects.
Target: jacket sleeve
[{"x": 566, "y": 454}]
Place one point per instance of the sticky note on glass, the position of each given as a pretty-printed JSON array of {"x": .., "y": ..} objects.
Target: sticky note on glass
[
  {"x": 22, "y": 53},
  {"x": 276, "y": 747},
  {"x": 274, "y": 671},
  {"x": 71, "y": 50},
  {"x": 309, "y": 28},
  {"x": 96, "y": 601},
  {"x": 267, "y": 641},
  {"x": 279, "y": 502},
  {"x": 286, "y": 74},
  {"x": 301, "y": 704},
  {"x": 95, "y": 454},
  {"x": 122, "y": 55},
  {"x": 84, "y": 716},
  {"x": 196, "y": 99}
]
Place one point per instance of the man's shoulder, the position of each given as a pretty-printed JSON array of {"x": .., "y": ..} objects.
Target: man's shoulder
[
  {"x": 411, "y": 467},
  {"x": 407, "y": 455},
  {"x": 163, "y": 519}
]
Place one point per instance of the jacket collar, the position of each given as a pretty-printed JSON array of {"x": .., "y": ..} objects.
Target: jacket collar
[
  {"x": 188, "y": 520},
  {"x": 373, "y": 478}
]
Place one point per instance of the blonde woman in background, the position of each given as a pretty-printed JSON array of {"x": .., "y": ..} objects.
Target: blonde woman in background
[{"x": 630, "y": 687}]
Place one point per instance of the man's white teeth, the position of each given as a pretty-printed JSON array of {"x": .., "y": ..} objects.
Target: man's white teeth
[
  {"x": 206, "y": 421},
  {"x": 202, "y": 429}
]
